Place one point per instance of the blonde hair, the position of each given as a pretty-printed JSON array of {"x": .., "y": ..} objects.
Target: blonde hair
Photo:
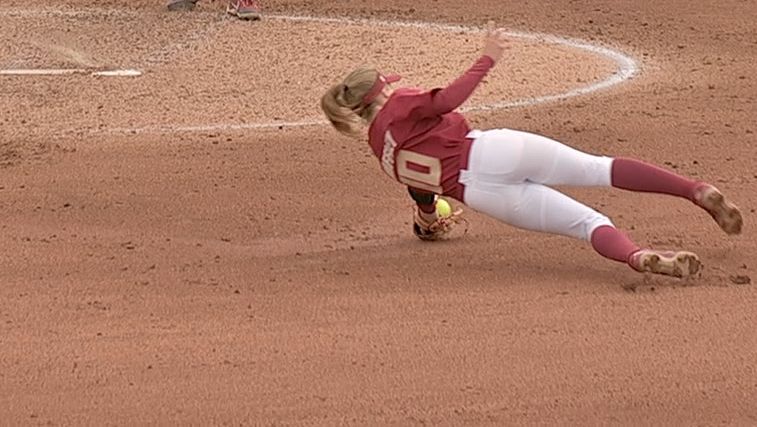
[{"x": 343, "y": 102}]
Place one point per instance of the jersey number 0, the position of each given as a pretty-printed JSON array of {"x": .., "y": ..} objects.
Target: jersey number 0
[{"x": 426, "y": 176}]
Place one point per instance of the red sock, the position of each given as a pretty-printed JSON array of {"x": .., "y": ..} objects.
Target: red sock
[
  {"x": 635, "y": 175},
  {"x": 612, "y": 243}
]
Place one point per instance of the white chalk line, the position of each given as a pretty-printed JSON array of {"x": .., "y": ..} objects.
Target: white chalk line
[
  {"x": 68, "y": 71},
  {"x": 627, "y": 67}
]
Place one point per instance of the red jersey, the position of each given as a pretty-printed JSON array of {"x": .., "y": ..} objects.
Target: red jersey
[{"x": 418, "y": 138}]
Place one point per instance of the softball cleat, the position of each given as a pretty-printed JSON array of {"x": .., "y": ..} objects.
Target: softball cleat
[
  {"x": 669, "y": 263},
  {"x": 725, "y": 213},
  {"x": 248, "y": 10},
  {"x": 176, "y": 5}
]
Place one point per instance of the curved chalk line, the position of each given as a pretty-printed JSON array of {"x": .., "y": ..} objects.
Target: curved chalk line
[{"x": 627, "y": 67}]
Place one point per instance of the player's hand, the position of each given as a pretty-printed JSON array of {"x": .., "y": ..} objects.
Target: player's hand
[
  {"x": 439, "y": 228},
  {"x": 495, "y": 42}
]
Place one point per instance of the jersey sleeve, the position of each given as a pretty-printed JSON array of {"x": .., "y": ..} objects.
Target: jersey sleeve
[
  {"x": 447, "y": 99},
  {"x": 419, "y": 103}
]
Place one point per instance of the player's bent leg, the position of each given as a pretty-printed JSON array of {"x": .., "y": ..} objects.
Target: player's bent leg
[{"x": 536, "y": 207}]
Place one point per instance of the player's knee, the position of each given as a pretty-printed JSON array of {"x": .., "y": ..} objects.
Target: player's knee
[{"x": 593, "y": 222}]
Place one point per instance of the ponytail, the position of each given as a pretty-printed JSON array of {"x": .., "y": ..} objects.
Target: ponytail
[{"x": 343, "y": 102}]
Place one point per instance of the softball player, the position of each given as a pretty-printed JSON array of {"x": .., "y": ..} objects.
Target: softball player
[
  {"x": 423, "y": 143},
  {"x": 242, "y": 9}
]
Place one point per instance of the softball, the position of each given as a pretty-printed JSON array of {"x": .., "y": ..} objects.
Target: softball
[{"x": 443, "y": 209}]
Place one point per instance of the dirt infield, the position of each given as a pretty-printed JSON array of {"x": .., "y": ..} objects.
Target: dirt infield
[{"x": 193, "y": 246}]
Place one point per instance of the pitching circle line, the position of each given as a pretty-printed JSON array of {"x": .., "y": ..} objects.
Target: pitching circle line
[{"x": 627, "y": 68}]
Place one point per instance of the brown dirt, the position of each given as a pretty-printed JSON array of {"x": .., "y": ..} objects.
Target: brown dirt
[{"x": 270, "y": 277}]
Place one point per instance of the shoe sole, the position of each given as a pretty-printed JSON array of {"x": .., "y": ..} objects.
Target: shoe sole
[
  {"x": 680, "y": 264},
  {"x": 245, "y": 16},
  {"x": 181, "y": 6},
  {"x": 726, "y": 214}
]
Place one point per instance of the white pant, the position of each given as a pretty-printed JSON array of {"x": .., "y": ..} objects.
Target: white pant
[{"x": 508, "y": 176}]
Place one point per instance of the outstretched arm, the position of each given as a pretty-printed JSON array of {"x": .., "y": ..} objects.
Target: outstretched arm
[{"x": 447, "y": 99}]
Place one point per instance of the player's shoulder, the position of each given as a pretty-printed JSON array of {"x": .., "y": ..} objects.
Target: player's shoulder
[
  {"x": 405, "y": 92},
  {"x": 403, "y": 100}
]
